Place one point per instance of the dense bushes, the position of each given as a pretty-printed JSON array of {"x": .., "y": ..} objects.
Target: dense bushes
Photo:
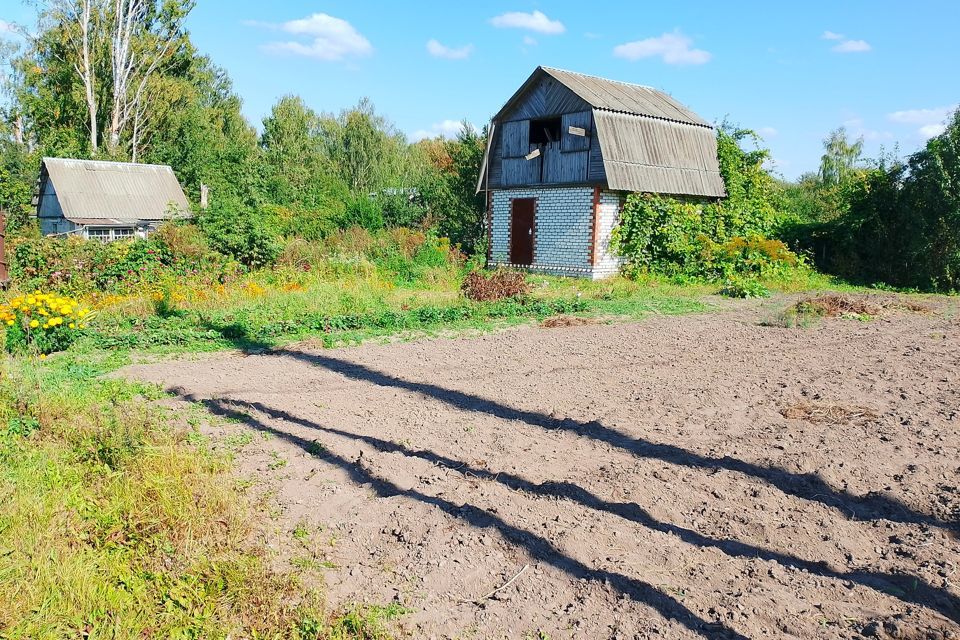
[
  {"x": 896, "y": 223},
  {"x": 687, "y": 239},
  {"x": 178, "y": 251},
  {"x": 706, "y": 239},
  {"x": 242, "y": 233},
  {"x": 76, "y": 266}
]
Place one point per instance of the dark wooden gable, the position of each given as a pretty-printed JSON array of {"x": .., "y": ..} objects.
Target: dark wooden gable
[
  {"x": 542, "y": 96},
  {"x": 568, "y": 158}
]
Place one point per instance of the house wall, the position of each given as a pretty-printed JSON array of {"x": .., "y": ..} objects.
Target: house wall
[
  {"x": 608, "y": 215},
  {"x": 564, "y": 230},
  {"x": 55, "y": 226}
]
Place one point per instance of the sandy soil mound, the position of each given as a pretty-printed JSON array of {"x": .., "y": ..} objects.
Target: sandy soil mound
[{"x": 685, "y": 477}]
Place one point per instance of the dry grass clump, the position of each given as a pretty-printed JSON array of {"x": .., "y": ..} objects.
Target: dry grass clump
[
  {"x": 817, "y": 413},
  {"x": 498, "y": 285},
  {"x": 567, "y": 321},
  {"x": 809, "y": 311},
  {"x": 834, "y": 304}
]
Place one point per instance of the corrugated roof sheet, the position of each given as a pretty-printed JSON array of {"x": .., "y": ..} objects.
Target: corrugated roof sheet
[
  {"x": 623, "y": 97},
  {"x": 658, "y": 156},
  {"x": 94, "y": 189}
]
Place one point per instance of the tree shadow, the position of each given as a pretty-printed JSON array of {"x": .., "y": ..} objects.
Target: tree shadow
[
  {"x": 905, "y": 587},
  {"x": 807, "y": 486},
  {"x": 539, "y": 547}
]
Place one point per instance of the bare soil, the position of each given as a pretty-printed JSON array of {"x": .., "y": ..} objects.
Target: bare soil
[{"x": 681, "y": 477}]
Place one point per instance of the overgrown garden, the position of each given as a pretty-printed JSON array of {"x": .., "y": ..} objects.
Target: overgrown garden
[{"x": 325, "y": 226}]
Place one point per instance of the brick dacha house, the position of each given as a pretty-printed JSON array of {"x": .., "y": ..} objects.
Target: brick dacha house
[{"x": 563, "y": 154}]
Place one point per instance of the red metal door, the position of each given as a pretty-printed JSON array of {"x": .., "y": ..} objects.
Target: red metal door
[{"x": 522, "y": 215}]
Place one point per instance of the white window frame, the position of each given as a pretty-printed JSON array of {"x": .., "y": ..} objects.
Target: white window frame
[{"x": 110, "y": 234}]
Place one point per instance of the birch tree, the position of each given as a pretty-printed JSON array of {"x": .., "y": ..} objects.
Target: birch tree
[
  {"x": 144, "y": 35},
  {"x": 81, "y": 17}
]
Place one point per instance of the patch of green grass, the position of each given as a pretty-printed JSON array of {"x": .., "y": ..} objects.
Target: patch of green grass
[
  {"x": 309, "y": 563},
  {"x": 366, "y": 622},
  {"x": 237, "y": 441},
  {"x": 277, "y": 461},
  {"x": 113, "y": 524}
]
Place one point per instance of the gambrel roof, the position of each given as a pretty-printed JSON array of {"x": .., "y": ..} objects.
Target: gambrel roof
[
  {"x": 649, "y": 142},
  {"x": 613, "y": 95}
]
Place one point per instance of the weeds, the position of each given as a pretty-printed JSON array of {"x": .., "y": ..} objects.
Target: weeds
[
  {"x": 809, "y": 311},
  {"x": 114, "y": 524},
  {"x": 743, "y": 288},
  {"x": 567, "y": 321}
]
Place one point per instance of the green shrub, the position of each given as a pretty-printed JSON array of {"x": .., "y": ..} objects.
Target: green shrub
[
  {"x": 678, "y": 238},
  {"x": 241, "y": 232},
  {"x": 743, "y": 288},
  {"x": 697, "y": 238},
  {"x": 74, "y": 265},
  {"x": 364, "y": 212}
]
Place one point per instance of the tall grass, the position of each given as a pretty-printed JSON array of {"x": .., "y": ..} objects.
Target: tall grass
[{"x": 114, "y": 525}]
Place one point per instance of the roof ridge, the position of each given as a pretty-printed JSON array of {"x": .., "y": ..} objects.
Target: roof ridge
[
  {"x": 114, "y": 162},
  {"x": 595, "y": 77}
]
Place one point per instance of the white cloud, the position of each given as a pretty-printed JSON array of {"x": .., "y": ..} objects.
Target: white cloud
[
  {"x": 530, "y": 41},
  {"x": 857, "y": 129},
  {"x": 830, "y": 35},
  {"x": 921, "y": 116},
  {"x": 438, "y": 50},
  {"x": 931, "y": 121},
  {"x": 852, "y": 46},
  {"x": 767, "y": 132},
  {"x": 326, "y": 38},
  {"x": 444, "y": 128},
  {"x": 535, "y": 21},
  {"x": 590, "y": 35},
  {"x": 931, "y": 130},
  {"x": 672, "y": 48}
]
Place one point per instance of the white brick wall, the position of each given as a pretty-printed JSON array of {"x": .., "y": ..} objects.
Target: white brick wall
[
  {"x": 607, "y": 263},
  {"x": 564, "y": 230}
]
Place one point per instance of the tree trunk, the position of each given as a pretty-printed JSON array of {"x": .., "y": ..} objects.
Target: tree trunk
[{"x": 87, "y": 73}]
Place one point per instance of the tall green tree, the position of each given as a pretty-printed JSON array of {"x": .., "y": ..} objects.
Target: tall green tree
[
  {"x": 296, "y": 169},
  {"x": 451, "y": 189},
  {"x": 365, "y": 150},
  {"x": 841, "y": 157}
]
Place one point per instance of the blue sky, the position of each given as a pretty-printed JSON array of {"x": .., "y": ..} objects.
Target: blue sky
[{"x": 792, "y": 71}]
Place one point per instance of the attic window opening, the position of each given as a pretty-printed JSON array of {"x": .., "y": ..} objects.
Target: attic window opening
[{"x": 545, "y": 131}]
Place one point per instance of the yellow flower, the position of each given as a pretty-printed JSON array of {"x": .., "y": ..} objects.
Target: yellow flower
[
  {"x": 72, "y": 325},
  {"x": 34, "y": 324},
  {"x": 43, "y": 356},
  {"x": 31, "y": 300},
  {"x": 9, "y": 323}
]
